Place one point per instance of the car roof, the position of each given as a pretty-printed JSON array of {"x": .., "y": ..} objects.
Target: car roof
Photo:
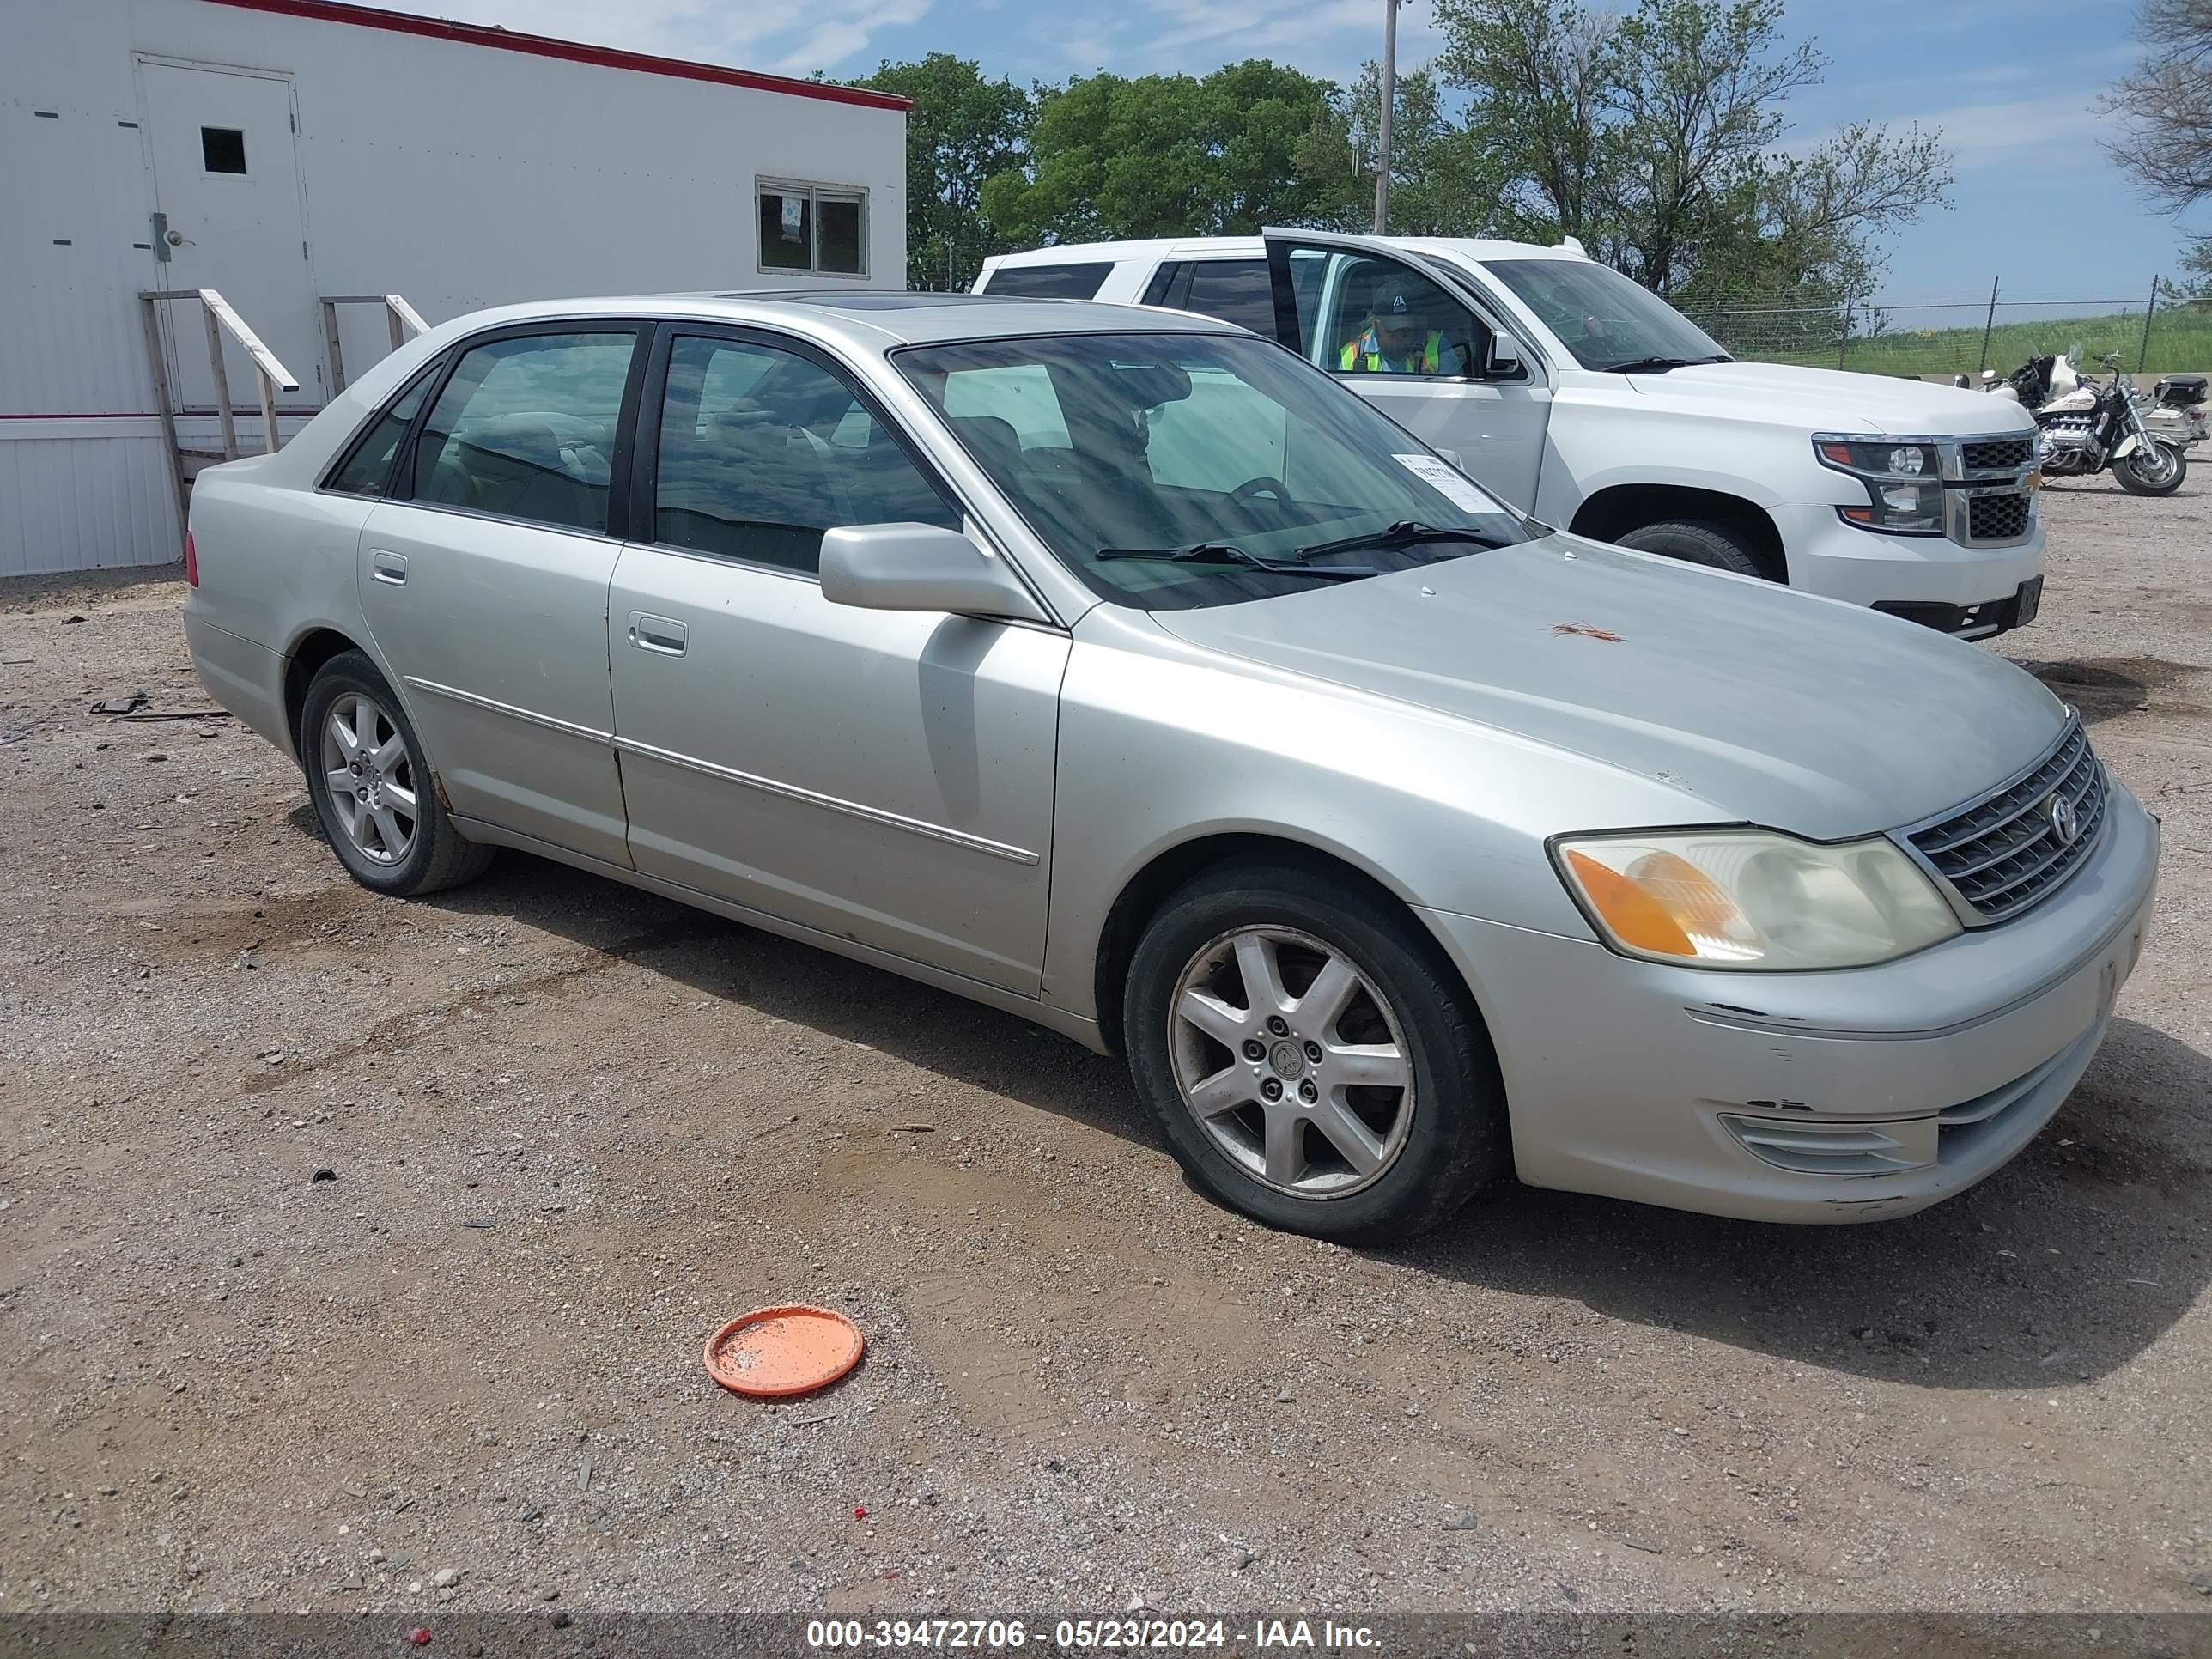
[
  {"x": 874, "y": 320},
  {"x": 1252, "y": 248}
]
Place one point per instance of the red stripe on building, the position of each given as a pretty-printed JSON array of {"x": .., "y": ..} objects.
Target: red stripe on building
[{"x": 573, "y": 52}]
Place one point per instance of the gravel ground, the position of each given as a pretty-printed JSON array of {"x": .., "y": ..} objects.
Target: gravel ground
[{"x": 573, "y": 1128}]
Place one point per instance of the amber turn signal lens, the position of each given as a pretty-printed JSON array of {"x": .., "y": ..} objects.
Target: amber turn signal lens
[{"x": 1630, "y": 911}]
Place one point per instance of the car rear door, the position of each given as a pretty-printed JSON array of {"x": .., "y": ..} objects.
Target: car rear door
[
  {"x": 884, "y": 777},
  {"x": 484, "y": 575},
  {"x": 1324, "y": 288}
]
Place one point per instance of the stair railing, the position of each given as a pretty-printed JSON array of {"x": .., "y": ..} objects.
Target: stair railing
[
  {"x": 402, "y": 322},
  {"x": 272, "y": 377}
]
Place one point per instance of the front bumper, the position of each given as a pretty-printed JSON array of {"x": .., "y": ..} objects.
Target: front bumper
[
  {"x": 1823, "y": 1097},
  {"x": 1838, "y": 560},
  {"x": 1971, "y": 621}
]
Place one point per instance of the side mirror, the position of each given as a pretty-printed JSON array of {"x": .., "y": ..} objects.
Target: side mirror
[
  {"x": 920, "y": 566},
  {"x": 1503, "y": 359}
]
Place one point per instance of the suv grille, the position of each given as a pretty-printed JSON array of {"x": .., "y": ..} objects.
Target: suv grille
[
  {"x": 1996, "y": 518},
  {"x": 1997, "y": 454},
  {"x": 2004, "y": 853}
]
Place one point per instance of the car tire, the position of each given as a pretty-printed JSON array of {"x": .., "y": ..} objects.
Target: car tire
[
  {"x": 1694, "y": 541},
  {"x": 2162, "y": 481},
  {"x": 391, "y": 832},
  {"x": 1432, "y": 1142}
]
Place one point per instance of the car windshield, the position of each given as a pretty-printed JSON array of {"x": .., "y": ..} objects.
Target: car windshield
[
  {"x": 1172, "y": 470},
  {"x": 1606, "y": 321}
]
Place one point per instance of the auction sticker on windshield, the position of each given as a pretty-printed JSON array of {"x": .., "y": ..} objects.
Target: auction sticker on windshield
[{"x": 1439, "y": 476}]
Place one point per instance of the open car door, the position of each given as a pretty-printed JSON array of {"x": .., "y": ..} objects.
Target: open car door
[{"x": 1416, "y": 338}]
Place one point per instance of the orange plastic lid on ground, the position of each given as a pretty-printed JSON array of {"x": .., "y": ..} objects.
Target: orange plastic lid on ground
[{"x": 778, "y": 1351}]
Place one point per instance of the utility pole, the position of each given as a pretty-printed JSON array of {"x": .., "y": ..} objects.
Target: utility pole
[{"x": 1389, "y": 99}]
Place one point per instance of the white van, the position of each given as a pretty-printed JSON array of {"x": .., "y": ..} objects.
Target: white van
[{"x": 1593, "y": 405}]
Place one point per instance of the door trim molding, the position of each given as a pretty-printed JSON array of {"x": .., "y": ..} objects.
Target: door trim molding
[
  {"x": 529, "y": 716},
  {"x": 1024, "y": 1005},
  {"x": 997, "y": 849}
]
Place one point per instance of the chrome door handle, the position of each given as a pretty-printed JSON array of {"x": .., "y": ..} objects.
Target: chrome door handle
[
  {"x": 662, "y": 634},
  {"x": 390, "y": 567}
]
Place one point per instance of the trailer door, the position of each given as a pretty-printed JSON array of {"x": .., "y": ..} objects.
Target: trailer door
[{"x": 226, "y": 169}]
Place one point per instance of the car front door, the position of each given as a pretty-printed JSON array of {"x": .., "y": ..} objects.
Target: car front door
[
  {"x": 1368, "y": 313},
  {"x": 884, "y": 777},
  {"x": 484, "y": 575}
]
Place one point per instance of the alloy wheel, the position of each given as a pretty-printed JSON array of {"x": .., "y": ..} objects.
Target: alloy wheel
[
  {"x": 370, "y": 776},
  {"x": 1292, "y": 1061}
]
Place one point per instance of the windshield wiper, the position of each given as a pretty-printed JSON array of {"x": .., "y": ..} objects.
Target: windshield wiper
[
  {"x": 1230, "y": 553},
  {"x": 1406, "y": 532},
  {"x": 1661, "y": 365}
]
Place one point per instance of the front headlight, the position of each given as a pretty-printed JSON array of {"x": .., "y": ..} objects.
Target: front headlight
[
  {"x": 1753, "y": 898},
  {"x": 1904, "y": 483}
]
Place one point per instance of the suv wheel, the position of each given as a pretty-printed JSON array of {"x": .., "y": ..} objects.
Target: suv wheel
[
  {"x": 1310, "y": 1058},
  {"x": 372, "y": 786},
  {"x": 1695, "y": 540}
]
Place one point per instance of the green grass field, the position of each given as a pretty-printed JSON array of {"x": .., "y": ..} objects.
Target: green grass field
[{"x": 2180, "y": 340}]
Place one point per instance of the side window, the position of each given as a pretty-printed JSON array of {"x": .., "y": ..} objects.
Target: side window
[
  {"x": 365, "y": 470},
  {"x": 525, "y": 429},
  {"x": 763, "y": 449},
  {"x": 1071, "y": 282},
  {"x": 1157, "y": 291},
  {"x": 1383, "y": 318},
  {"x": 1237, "y": 291}
]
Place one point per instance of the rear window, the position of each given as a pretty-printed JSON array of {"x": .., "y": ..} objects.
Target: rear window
[{"x": 1046, "y": 281}]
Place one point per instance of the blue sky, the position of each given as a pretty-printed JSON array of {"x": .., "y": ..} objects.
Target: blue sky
[{"x": 2010, "y": 81}]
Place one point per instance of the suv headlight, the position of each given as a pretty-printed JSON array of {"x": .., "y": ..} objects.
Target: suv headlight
[
  {"x": 1753, "y": 898},
  {"x": 1904, "y": 483}
]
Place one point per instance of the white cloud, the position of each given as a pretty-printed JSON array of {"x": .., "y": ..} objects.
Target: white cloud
[
  {"x": 1330, "y": 37},
  {"x": 2018, "y": 132},
  {"x": 784, "y": 37}
]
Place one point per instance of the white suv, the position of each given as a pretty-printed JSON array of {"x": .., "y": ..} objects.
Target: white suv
[{"x": 1593, "y": 405}]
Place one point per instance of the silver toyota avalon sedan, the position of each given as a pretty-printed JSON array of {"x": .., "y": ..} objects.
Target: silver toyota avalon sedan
[{"x": 1117, "y": 669}]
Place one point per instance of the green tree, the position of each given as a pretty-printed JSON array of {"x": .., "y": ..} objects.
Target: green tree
[
  {"x": 2164, "y": 116},
  {"x": 962, "y": 130},
  {"x": 1444, "y": 182},
  {"x": 1539, "y": 76},
  {"x": 1112, "y": 156},
  {"x": 1654, "y": 138}
]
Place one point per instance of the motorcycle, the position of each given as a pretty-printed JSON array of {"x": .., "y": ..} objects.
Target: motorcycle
[
  {"x": 2088, "y": 426},
  {"x": 2174, "y": 412}
]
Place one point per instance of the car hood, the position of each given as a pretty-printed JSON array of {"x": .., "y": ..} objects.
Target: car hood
[
  {"x": 1755, "y": 703},
  {"x": 1826, "y": 400}
]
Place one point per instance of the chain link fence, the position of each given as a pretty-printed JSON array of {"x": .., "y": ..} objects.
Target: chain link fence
[{"x": 2155, "y": 332}]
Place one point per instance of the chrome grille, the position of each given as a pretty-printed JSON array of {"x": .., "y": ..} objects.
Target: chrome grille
[
  {"x": 1997, "y": 454},
  {"x": 1996, "y": 518},
  {"x": 2001, "y": 855}
]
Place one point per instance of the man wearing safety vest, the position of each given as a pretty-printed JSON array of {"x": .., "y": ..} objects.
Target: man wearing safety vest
[{"x": 1393, "y": 343}]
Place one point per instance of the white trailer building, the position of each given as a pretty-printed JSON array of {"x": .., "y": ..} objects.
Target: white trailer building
[{"x": 205, "y": 204}]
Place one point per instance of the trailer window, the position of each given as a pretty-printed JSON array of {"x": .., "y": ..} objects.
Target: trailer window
[
  {"x": 222, "y": 149},
  {"x": 817, "y": 228}
]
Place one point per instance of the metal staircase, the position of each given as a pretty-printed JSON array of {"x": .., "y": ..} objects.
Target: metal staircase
[{"x": 270, "y": 376}]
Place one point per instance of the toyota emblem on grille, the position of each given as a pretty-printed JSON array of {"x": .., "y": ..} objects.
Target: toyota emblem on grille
[{"x": 2065, "y": 822}]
